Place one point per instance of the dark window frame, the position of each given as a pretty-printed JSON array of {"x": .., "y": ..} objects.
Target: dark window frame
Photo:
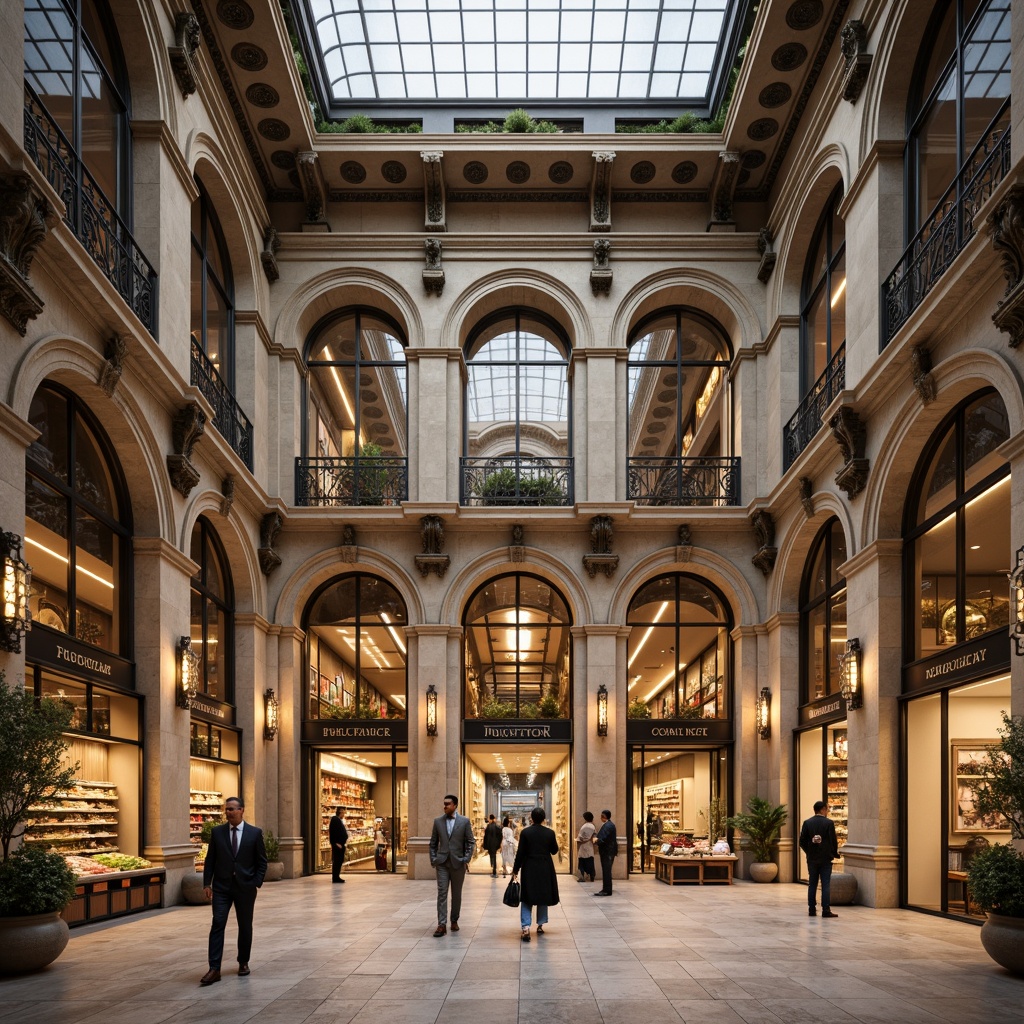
[
  {"x": 213, "y": 236},
  {"x": 211, "y": 546},
  {"x": 822, "y": 544}
]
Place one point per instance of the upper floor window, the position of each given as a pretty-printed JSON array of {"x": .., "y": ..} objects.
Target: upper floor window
[
  {"x": 823, "y": 613},
  {"x": 957, "y": 543},
  {"x": 213, "y": 312},
  {"x": 823, "y": 307},
  {"x": 213, "y": 608}
]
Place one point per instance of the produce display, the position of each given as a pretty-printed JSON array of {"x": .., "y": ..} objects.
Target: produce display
[{"x": 105, "y": 863}]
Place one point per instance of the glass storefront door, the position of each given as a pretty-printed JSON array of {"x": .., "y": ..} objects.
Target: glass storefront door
[{"x": 823, "y": 774}]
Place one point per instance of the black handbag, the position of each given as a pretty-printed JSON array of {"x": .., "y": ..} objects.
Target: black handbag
[{"x": 511, "y": 897}]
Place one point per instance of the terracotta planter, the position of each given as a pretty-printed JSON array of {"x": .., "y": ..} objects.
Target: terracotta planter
[
  {"x": 31, "y": 942},
  {"x": 1003, "y": 939},
  {"x": 275, "y": 871},
  {"x": 762, "y": 872}
]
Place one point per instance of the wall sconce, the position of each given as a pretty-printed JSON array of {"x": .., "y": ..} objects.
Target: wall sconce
[
  {"x": 270, "y": 709},
  {"x": 764, "y": 713},
  {"x": 188, "y": 673},
  {"x": 431, "y": 710},
  {"x": 849, "y": 675},
  {"x": 1017, "y": 602},
  {"x": 17, "y": 619},
  {"x": 602, "y": 710}
]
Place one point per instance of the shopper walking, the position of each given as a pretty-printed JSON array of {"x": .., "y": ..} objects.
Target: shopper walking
[
  {"x": 492, "y": 843},
  {"x": 338, "y": 836},
  {"x": 585, "y": 853},
  {"x": 819, "y": 842},
  {"x": 235, "y": 866},
  {"x": 533, "y": 864},
  {"x": 607, "y": 844},
  {"x": 451, "y": 849},
  {"x": 508, "y": 846}
]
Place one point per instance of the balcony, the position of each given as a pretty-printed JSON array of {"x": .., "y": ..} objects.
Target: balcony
[
  {"x": 799, "y": 432},
  {"x": 704, "y": 482},
  {"x": 516, "y": 480},
  {"x": 232, "y": 424},
  {"x": 89, "y": 214},
  {"x": 949, "y": 228},
  {"x": 345, "y": 482}
]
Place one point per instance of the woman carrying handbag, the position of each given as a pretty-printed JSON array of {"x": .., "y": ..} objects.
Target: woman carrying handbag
[{"x": 533, "y": 864}]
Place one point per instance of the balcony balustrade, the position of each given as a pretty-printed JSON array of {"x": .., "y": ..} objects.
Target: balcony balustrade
[
  {"x": 231, "y": 423},
  {"x": 799, "y": 432},
  {"x": 517, "y": 480},
  {"x": 704, "y": 482},
  {"x": 355, "y": 481}
]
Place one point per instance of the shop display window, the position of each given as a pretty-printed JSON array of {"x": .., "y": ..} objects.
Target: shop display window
[
  {"x": 823, "y": 773},
  {"x": 823, "y": 614},
  {"x": 212, "y": 614}
]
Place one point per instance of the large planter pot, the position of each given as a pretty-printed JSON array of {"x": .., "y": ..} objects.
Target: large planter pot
[
  {"x": 1003, "y": 939},
  {"x": 192, "y": 889},
  {"x": 843, "y": 889},
  {"x": 31, "y": 942},
  {"x": 762, "y": 872},
  {"x": 275, "y": 871}
]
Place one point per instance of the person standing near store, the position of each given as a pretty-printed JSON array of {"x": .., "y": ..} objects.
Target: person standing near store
[
  {"x": 607, "y": 844},
  {"x": 539, "y": 883},
  {"x": 451, "y": 849},
  {"x": 819, "y": 842},
  {"x": 508, "y": 846},
  {"x": 492, "y": 843},
  {"x": 235, "y": 866},
  {"x": 585, "y": 854},
  {"x": 338, "y": 836}
]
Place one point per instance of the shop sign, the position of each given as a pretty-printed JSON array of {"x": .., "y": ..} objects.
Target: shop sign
[
  {"x": 684, "y": 731},
  {"x": 73, "y": 658},
  {"x": 476, "y": 730},
  {"x": 208, "y": 709},
  {"x": 975, "y": 659},
  {"x": 357, "y": 732},
  {"x": 822, "y": 710}
]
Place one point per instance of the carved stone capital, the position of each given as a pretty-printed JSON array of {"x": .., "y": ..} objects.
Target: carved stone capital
[
  {"x": 854, "y": 41},
  {"x": 601, "y": 191},
  {"x": 113, "y": 363},
  {"x": 851, "y": 436},
  {"x": 606, "y": 564},
  {"x": 433, "y": 190},
  {"x": 23, "y": 218},
  {"x": 764, "y": 532},
  {"x": 227, "y": 495},
  {"x": 601, "y": 273},
  {"x": 433, "y": 272},
  {"x": 268, "y": 257},
  {"x": 186, "y": 42},
  {"x": 765, "y": 242},
  {"x": 806, "y": 495},
  {"x": 1006, "y": 228},
  {"x": 184, "y": 476},
  {"x": 314, "y": 188},
  {"x": 684, "y": 543},
  {"x": 924, "y": 381},
  {"x": 270, "y": 527},
  {"x": 187, "y": 427},
  {"x": 723, "y": 188}
]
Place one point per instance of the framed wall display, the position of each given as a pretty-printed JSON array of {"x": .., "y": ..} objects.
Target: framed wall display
[{"x": 967, "y": 766}]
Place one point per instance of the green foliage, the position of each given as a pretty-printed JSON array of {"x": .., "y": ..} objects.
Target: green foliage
[
  {"x": 517, "y": 122},
  {"x": 539, "y": 490},
  {"x": 1002, "y": 789},
  {"x": 32, "y": 756},
  {"x": 637, "y": 709},
  {"x": 762, "y": 824},
  {"x": 361, "y": 124},
  {"x": 549, "y": 706},
  {"x": 121, "y": 861},
  {"x": 688, "y": 123},
  {"x": 491, "y": 707},
  {"x": 995, "y": 880},
  {"x": 206, "y": 832},
  {"x": 33, "y": 881},
  {"x": 714, "y": 815},
  {"x": 272, "y": 845},
  {"x": 361, "y": 710}
]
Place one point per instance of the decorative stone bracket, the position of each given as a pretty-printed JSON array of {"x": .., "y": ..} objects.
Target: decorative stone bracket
[
  {"x": 189, "y": 424},
  {"x": 433, "y": 190},
  {"x": 921, "y": 365},
  {"x": 851, "y": 436},
  {"x": 113, "y": 363},
  {"x": 723, "y": 188},
  {"x": 186, "y": 42},
  {"x": 684, "y": 547},
  {"x": 517, "y": 549},
  {"x": 270, "y": 527},
  {"x": 314, "y": 191},
  {"x": 601, "y": 559},
  {"x": 271, "y": 243},
  {"x": 601, "y": 191},
  {"x": 1006, "y": 227},
  {"x": 23, "y": 221},
  {"x": 601, "y": 273},
  {"x": 765, "y": 242},
  {"x": 227, "y": 495},
  {"x": 433, "y": 559},
  {"x": 349, "y": 547},
  {"x": 433, "y": 272},
  {"x": 853, "y": 41},
  {"x": 764, "y": 532},
  {"x": 807, "y": 495}
]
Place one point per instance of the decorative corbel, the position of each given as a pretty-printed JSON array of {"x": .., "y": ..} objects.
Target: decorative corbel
[
  {"x": 227, "y": 495},
  {"x": 186, "y": 42},
  {"x": 188, "y": 426},
  {"x": 851, "y": 436},
  {"x": 433, "y": 272},
  {"x": 807, "y": 495},
  {"x": 765, "y": 242},
  {"x": 684, "y": 545},
  {"x": 764, "y": 532},
  {"x": 270, "y": 527},
  {"x": 517, "y": 549},
  {"x": 1006, "y": 228},
  {"x": 271, "y": 243},
  {"x": 433, "y": 190},
  {"x": 601, "y": 558},
  {"x": 601, "y": 272},
  {"x": 349, "y": 547},
  {"x": 113, "y": 363},
  {"x": 601, "y": 191},
  {"x": 853, "y": 42},
  {"x": 433, "y": 559},
  {"x": 314, "y": 191},
  {"x": 23, "y": 219},
  {"x": 723, "y": 187},
  {"x": 924, "y": 381}
]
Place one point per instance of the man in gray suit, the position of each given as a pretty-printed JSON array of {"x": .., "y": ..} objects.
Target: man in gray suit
[{"x": 451, "y": 849}]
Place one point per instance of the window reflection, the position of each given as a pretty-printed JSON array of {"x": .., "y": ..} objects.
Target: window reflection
[
  {"x": 823, "y": 318},
  {"x": 823, "y": 613},
  {"x": 212, "y": 623}
]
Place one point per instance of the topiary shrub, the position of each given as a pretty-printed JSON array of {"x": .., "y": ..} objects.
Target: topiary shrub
[
  {"x": 995, "y": 880},
  {"x": 33, "y": 881}
]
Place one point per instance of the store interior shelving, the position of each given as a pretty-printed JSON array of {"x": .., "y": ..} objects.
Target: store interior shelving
[
  {"x": 838, "y": 795},
  {"x": 353, "y": 797},
  {"x": 80, "y": 820}
]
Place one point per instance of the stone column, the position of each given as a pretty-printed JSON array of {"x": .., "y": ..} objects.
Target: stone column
[
  {"x": 1013, "y": 452},
  {"x": 599, "y": 412},
  {"x": 288, "y": 671},
  {"x": 258, "y": 755},
  {"x": 434, "y": 424}
]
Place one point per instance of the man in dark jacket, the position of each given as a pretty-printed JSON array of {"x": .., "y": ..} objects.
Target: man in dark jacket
[
  {"x": 338, "y": 836},
  {"x": 492, "y": 843},
  {"x": 607, "y": 845},
  {"x": 818, "y": 841}
]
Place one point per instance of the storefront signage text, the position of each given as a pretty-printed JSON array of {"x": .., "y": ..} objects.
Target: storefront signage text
[
  {"x": 654, "y": 730},
  {"x": 210, "y": 710},
  {"x": 975, "y": 659},
  {"x": 557, "y": 731},
  {"x": 59, "y": 651},
  {"x": 830, "y": 709},
  {"x": 383, "y": 731},
  {"x": 955, "y": 665}
]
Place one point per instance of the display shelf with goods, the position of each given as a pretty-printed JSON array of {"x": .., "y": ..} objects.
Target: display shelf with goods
[
  {"x": 83, "y": 819},
  {"x": 837, "y": 787},
  {"x": 203, "y": 806},
  {"x": 666, "y": 800},
  {"x": 353, "y": 797},
  {"x": 476, "y": 812}
]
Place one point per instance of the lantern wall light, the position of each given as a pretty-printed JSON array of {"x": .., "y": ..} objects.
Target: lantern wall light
[
  {"x": 431, "y": 710},
  {"x": 270, "y": 714},
  {"x": 188, "y": 673},
  {"x": 602, "y": 710},
  {"x": 17, "y": 577},
  {"x": 1017, "y": 603},
  {"x": 764, "y": 713},
  {"x": 849, "y": 675}
]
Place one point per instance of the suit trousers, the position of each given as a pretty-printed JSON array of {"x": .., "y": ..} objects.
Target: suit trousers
[
  {"x": 824, "y": 873},
  {"x": 337, "y": 859},
  {"x": 244, "y": 900},
  {"x": 449, "y": 875},
  {"x": 607, "y": 863}
]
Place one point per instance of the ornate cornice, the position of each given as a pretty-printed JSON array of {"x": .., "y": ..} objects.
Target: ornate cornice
[{"x": 600, "y": 191}]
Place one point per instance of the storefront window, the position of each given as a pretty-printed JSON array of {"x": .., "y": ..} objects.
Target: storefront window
[
  {"x": 823, "y": 613},
  {"x": 212, "y": 620}
]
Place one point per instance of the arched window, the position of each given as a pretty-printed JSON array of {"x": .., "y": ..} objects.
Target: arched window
[
  {"x": 823, "y": 614},
  {"x": 518, "y": 421},
  {"x": 678, "y": 425},
  {"x": 78, "y": 524},
  {"x": 213, "y": 615},
  {"x": 823, "y": 306},
  {"x": 357, "y": 415},
  {"x": 517, "y": 656},
  {"x": 213, "y": 303},
  {"x": 678, "y": 659},
  {"x": 357, "y": 650},
  {"x": 957, "y": 542}
]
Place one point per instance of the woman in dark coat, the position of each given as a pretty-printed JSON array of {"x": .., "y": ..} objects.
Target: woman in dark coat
[{"x": 539, "y": 883}]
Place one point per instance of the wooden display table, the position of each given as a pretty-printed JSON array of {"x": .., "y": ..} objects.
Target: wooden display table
[{"x": 694, "y": 870}]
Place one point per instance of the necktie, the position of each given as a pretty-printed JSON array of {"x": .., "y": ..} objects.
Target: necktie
[
  {"x": 451, "y": 825},
  {"x": 234, "y": 841}
]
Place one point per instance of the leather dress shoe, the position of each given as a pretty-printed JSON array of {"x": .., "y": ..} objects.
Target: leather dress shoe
[
  {"x": 243, "y": 970},
  {"x": 602, "y": 893},
  {"x": 455, "y": 926},
  {"x": 210, "y": 977},
  {"x": 828, "y": 913},
  {"x": 811, "y": 912},
  {"x": 440, "y": 930}
]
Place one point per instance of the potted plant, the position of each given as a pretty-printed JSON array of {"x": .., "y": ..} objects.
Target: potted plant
[
  {"x": 549, "y": 706},
  {"x": 35, "y": 886},
  {"x": 192, "y": 884},
  {"x": 275, "y": 866},
  {"x": 761, "y": 823},
  {"x": 637, "y": 709}
]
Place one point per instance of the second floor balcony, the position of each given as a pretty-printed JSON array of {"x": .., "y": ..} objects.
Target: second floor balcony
[
  {"x": 805, "y": 423},
  {"x": 376, "y": 480},
  {"x": 516, "y": 480},
  {"x": 701, "y": 482},
  {"x": 231, "y": 423}
]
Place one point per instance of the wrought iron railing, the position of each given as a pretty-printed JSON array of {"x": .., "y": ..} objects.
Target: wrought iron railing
[
  {"x": 516, "y": 480},
  {"x": 708, "y": 482},
  {"x": 232, "y": 424},
  {"x": 89, "y": 214},
  {"x": 799, "y": 432},
  {"x": 366, "y": 480},
  {"x": 949, "y": 228}
]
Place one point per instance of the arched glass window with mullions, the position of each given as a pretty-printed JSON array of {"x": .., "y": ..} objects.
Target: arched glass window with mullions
[
  {"x": 957, "y": 549},
  {"x": 213, "y": 615},
  {"x": 823, "y": 614},
  {"x": 518, "y": 417},
  {"x": 213, "y": 303},
  {"x": 357, "y": 415},
  {"x": 678, "y": 423}
]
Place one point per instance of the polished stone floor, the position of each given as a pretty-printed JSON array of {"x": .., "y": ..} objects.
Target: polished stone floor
[{"x": 363, "y": 952}]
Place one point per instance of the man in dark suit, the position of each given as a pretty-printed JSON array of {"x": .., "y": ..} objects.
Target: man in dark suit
[
  {"x": 451, "y": 849},
  {"x": 492, "y": 843},
  {"x": 608, "y": 847},
  {"x": 338, "y": 835},
  {"x": 819, "y": 842},
  {"x": 235, "y": 866}
]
